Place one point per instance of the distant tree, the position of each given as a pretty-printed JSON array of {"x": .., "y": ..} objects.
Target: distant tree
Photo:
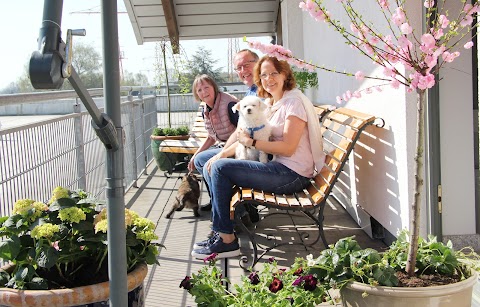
[
  {"x": 134, "y": 79},
  {"x": 87, "y": 63},
  {"x": 201, "y": 63}
]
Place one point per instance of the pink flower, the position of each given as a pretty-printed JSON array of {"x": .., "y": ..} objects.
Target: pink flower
[
  {"x": 383, "y": 4},
  {"x": 449, "y": 57},
  {"x": 429, "y": 3},
  {"x": 443, "y": 21},
  {"x": 359, "y": 75},
  {"x": 357, "y": 94},
  {"x": 404, "y": 42},
  {"x": 468, "y": 45},
  {"x": 398, "y": 17},
  {"x": 339, "y": 99},
  {"x": 428, "y": 43},
  {"x": 406, "y": 28},
  {"x": 395, "y": 83},
  {"x": 427, "y": 81},
  {"x": 353, "y": 28},
  {"x": 431, "y": 60},
  {"x": 467, "y": 20}
]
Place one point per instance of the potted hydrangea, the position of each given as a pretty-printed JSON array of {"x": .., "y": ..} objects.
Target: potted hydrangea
[{"x": 63, "y": 245}]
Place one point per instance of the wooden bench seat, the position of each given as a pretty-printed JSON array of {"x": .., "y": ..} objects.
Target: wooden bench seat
[{"x": 341, "y": 129}]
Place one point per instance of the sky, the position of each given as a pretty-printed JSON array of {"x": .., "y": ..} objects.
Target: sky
[{"x": 21, "y": 20}]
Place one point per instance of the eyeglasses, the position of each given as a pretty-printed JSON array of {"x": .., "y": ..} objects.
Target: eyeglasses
[
  {"x": 271, "y": 75},
  {"x": 244, "y": 66}
]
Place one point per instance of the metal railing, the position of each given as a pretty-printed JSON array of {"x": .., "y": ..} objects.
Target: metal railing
[{"x": 65, "y": 151}]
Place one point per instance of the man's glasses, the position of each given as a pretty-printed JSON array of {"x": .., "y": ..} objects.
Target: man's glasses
[
  {"x": 271, "y": 75},
  {"x": 244, "y": 66}
]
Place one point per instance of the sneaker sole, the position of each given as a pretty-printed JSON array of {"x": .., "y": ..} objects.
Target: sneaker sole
[{"x": 229, "y": 254}]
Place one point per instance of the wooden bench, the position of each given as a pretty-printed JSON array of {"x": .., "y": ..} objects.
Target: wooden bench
[
  {"x": 198, "y": 135},
  {"x": 341, "y": 129}
]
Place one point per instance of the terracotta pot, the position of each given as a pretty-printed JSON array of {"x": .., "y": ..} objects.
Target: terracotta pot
[
  {"x": 96, "y": 293},
  {"x": 458, "y": 294}
]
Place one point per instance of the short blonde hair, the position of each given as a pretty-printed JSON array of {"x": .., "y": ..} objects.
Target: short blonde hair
[{"x": 203, "y": 78}]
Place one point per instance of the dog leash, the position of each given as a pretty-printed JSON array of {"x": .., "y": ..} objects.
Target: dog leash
[{"x": 252, "y": 130}]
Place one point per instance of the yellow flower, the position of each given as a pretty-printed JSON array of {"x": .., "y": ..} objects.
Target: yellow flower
[
  {"x": 130, "y": 217},
  {"x": 72, "y": 215},
  {"x": 102, "y": 215},
  {"x": 101, "y": 226},
  {"x": 58, "y": 192},
  {"x": 46, "y": 230},
  {"x": 29, "y": 208},
  {"x": 145, "y": 229}
]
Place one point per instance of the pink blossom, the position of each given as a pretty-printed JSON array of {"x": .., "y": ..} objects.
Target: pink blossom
[
  {"x": 427, "y": 81},
  {"x": 437, "y": 34},
  {"x": 467, "y": 20},
  {"x": 378, "y": 88},
  {"x": 311, "y": 5},
  {"x": 431, "y": 60},
  {"x": 398, "y": 17},
  {"x": 428, "y": 43},
  {"x": 429, "y": 3},
  {"x": 467, "y": 8},
  {"x": 406, "y": 28},
  {"x": 344, "y": 97},
  {"x": 359, "y": 75},
  {"x": 468, "y": 45},
  {"x": 449, "y": 57},
  {"x": 349, "y": 94},
  {"x": 339, "y": 99},
  {"x": 374, "y": 40},
  {"x": 357, "y": 94},
  {"x": 395, "y": 83},
  {"x": 404, "y": 42},
  {"x": 383, "y": 4},
  {"x": 443, "y": 21},
  {"x": 368, "y": 90},
  {"x": 353, "y": 28}
]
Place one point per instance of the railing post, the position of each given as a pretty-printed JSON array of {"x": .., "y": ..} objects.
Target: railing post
[
  {"x": 134, "y": 141},
  {"x": 79, "y": 145},
  {"x": 143, "y": 138}
]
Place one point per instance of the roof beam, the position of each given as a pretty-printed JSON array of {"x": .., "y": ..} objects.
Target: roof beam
[{"x": 172, "y": 26}]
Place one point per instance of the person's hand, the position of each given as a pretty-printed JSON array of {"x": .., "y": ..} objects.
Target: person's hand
[
  {"x": 208, "y": 165},
  {"x": 244, "y": 138},
  {"x": 191, "y": 165}
]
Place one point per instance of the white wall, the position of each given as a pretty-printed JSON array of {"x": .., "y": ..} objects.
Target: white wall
[{"x": 383, "y": 164}]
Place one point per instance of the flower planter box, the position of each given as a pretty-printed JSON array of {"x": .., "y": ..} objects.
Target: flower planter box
[
  {"x": 458, "y": 294},
  {"x": 92, "y": 296}
]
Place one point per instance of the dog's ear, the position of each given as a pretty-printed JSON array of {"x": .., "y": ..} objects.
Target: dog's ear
[{"x": 236, "y": 107}]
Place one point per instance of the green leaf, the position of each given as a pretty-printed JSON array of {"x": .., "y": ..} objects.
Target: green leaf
[
  {"x": 385, "y": 276},
  {"x": 10, "y": 248},
  {"x": 37, "y": 283},
  {"x": 47, "y": 256},
  {"x": 62, "y": 203}
]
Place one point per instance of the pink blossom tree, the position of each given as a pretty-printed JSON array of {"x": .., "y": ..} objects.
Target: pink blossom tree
[{"x": 408, "y": 60}]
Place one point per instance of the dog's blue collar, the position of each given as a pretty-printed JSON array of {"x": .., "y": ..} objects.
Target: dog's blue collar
[{"x": 252, "y": 130}]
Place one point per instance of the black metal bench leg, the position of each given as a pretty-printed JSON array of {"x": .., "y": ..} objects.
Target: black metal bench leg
[
  {"x": 319, "y": 222},
  {"x": 251, "y": 237}
]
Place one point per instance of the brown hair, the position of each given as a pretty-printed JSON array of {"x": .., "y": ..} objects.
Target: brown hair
[
  {"x": 282, "y": 67},
  {"x": 203, "y": 78}
]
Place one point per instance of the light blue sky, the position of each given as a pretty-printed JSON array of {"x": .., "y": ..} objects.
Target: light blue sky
[{"x": 20, "y": 22}]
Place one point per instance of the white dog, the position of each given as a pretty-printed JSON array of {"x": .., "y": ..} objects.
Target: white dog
[{"x": 253, "y": 120}]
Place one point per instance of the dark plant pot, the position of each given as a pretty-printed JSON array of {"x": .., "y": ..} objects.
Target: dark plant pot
[
  {"x": 88, "y": 296},
  {"x": 165, "y": 161}
]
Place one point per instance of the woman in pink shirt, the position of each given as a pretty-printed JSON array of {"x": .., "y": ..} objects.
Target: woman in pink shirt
[{"x": 295, "y": 142}]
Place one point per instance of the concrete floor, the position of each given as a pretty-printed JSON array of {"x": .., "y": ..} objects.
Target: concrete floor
[{"x": 153, "y": 198}]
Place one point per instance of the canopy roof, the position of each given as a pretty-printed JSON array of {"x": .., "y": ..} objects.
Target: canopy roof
[{"x": 156, "y": 20}]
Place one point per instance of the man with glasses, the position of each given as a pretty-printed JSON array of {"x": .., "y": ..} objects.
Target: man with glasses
[{"x": 243, "y": 64}]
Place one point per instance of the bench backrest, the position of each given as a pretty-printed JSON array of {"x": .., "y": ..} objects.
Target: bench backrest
[{"x": 341, "y": 129}]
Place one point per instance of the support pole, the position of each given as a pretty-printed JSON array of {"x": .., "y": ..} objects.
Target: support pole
[{"x": 117, "y": 258}]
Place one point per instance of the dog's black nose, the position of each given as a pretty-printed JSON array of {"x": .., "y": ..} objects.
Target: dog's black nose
[{"x": 249, "y": 111}]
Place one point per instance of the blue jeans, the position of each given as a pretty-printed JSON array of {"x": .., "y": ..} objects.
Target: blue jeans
[{"x": 272, "y": 177}]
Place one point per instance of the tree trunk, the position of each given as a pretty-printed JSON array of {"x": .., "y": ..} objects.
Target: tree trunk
[{"x": 415, "y": 216}]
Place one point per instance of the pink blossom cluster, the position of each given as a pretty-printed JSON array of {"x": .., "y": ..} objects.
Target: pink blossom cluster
[
  {"x": 390, "y": 50},
  {"x": 281, "y": 53}
]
